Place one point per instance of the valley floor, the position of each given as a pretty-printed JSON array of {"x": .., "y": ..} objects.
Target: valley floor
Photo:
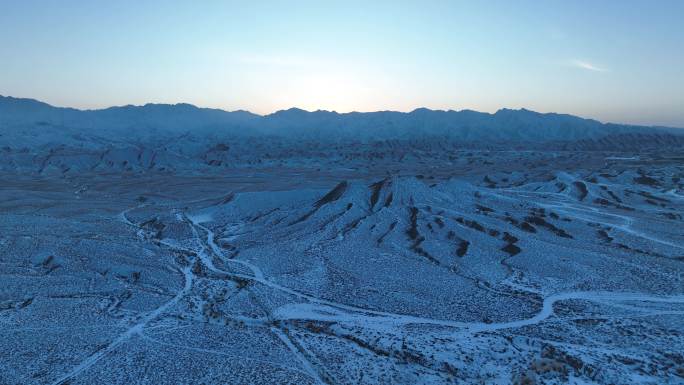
[{"x": 564, "y": 269}]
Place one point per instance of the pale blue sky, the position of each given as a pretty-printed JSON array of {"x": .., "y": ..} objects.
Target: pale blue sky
[{"x": 620, "y": 61}]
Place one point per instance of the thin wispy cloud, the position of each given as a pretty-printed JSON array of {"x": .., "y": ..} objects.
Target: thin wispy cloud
[{"x": 585, "y": 65}]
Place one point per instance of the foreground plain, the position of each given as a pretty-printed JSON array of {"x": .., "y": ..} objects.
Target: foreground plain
[{"x": 488, "y": 267}]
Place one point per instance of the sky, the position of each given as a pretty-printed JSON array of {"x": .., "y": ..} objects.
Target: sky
[{"x": 616, "y": 61}]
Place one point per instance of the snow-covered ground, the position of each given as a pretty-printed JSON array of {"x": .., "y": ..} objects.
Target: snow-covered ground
[{"x": 349, "y": 265}]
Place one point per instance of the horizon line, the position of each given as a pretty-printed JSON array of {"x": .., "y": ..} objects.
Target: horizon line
[{"x": 240, "y": 110}]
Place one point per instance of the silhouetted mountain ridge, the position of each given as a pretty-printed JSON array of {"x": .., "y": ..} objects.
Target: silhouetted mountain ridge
[{"x": 504, "y": 125}]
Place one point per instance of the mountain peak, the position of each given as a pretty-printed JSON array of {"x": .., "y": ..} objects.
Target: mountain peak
[{"x": 290, "y": 111}]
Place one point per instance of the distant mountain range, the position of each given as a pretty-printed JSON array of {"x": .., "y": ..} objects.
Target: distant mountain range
[{"x": 166, "y": 119}]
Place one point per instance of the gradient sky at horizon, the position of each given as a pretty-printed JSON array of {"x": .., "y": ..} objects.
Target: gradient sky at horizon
[{"x": 618, "y": 61}]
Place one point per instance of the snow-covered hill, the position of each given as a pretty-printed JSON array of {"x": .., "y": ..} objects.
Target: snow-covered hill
[{"x": 434, "y": 266}]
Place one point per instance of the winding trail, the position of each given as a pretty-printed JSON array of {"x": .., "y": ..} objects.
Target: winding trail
[
  {"x": 207, "y": 261},
  {"x": 313, "y": 312},
  {"x": 626, "y": 226},
  {"x": 258, "y": 274},
  {"x": 317, "y": 309},
  {"x": 577, "y": 210},
  {"x": 258, "y": 277},
  {"x": 130, "y": 332},
  {"x": 598, "y": 296},
  {"x": 303, "y": 360}
]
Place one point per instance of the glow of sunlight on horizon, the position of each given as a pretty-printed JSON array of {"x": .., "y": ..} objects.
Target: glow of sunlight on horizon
[{"x": 618, "y": 62}]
